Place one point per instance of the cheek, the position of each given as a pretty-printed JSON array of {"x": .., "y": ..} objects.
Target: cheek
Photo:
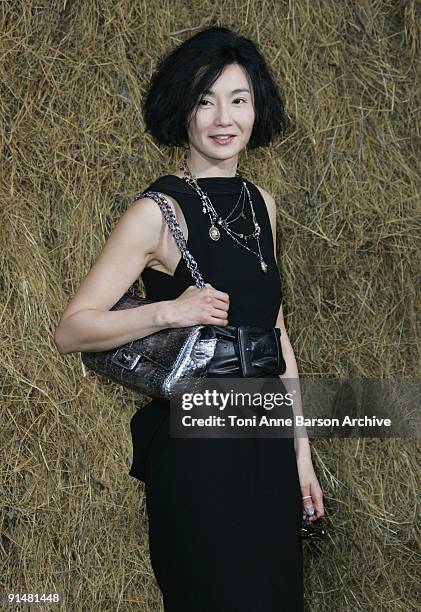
[
  {"x": 249, "y": 118},
  {"x": 194, "y": 131},
  {"x": 198, "y": 125},
  {"x": 203, "y": 120}
]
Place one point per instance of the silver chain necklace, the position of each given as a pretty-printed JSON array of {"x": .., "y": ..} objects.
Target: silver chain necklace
[{"x": 207, "y": 207}]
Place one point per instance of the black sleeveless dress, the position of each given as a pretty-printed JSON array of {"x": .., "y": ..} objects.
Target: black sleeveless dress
[{"x": 224, "y": 514}]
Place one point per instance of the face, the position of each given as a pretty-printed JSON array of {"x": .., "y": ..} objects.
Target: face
[{"x": 227, "y": 109}]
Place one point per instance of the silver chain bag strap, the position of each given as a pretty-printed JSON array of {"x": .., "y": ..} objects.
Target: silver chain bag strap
[{"x": 169, "y": 361}]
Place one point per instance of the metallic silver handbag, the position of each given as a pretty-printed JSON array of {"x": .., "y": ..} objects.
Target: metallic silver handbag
[{"x": 169, "y": 361}]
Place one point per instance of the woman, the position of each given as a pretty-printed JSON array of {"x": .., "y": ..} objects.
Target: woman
[{"x": 224, "y": 514}]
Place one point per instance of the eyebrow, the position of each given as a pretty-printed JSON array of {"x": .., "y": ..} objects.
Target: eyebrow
[{"x": 234, "y": 91}]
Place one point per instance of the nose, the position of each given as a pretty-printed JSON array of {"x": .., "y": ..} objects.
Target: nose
[{"x": 223, "y": 115}]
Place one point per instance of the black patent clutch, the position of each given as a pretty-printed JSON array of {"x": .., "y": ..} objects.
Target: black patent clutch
[{"x": 311, "y": 531}]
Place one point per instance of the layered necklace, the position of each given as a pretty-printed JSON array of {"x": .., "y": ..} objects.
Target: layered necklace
[{"x": 215, "y": 219}]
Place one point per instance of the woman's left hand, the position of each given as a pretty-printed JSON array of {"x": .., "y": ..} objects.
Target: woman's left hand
[{"x": 312, "y": 506}]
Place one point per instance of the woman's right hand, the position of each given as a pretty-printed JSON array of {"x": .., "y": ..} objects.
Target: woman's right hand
[{"x": 195, "y": 306}]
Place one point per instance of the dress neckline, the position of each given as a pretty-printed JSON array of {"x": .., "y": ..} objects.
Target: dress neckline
[
  {"x": 211, "y": 184},
  {"x": 207, "y": 178}
]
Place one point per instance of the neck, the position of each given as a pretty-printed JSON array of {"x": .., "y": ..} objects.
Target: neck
[{"x": 202, "y": 168}]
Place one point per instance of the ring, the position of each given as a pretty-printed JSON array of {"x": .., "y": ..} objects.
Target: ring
[{"x": 306, "y": 497}]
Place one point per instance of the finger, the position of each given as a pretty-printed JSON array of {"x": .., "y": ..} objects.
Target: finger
[
  {"x": 216, "y": 321},
  {"x": 318, "y": 504},
  {"x": 306, "y": 498},
  {"x": 310, "y": 510},
  {"x": 221, "y": 295},
  {"x": 308, "y": 506},
  {"x": 318, "y": 513},
  {"x": 219, "y": 312},
  {"x": 221, "y": 304},
  {"x": 319, "y": 509}
]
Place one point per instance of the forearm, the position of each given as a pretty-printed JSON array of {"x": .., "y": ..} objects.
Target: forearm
[
  {"x": 291, "y": 381},
  {"x": 98, "y": 330}
]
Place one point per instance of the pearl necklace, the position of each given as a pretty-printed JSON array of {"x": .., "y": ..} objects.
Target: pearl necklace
[{"x": 207, "y": 207}]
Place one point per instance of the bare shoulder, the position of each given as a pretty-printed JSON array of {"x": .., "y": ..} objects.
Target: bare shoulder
[
  {"x": 140, "y": 224},
  {"x": 144, "y": 207},
  {"x": 147, "y": 206},
  {"x": 271, "y": 208},
  {"x": 269, "y": 199},
  {"x": 146, "y": 212}
]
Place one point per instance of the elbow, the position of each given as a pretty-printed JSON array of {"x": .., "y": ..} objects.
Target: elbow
[
  {"x": 60, "y": 342},
  {"x": 69, "y": 334}
]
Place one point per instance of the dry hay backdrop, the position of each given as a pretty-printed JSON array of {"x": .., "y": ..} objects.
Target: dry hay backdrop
[{"x": 345, "y": 179}]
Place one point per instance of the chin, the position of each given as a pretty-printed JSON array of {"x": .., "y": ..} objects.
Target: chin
[{"x": 223, "y": 153}]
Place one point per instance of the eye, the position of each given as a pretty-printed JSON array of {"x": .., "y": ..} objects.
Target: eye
[
  {"x": 203, "y": 100},
  {"x": 239, "y": 100}
]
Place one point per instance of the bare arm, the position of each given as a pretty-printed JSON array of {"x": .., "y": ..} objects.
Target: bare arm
[
  {"x": 87, "y": 324},
  {"x": 312, "y": 494},
  {"x": 139, "y": 237},
  {"x": 97, "y": 330},
  {"x": 301, "y": 443},
  {"x": 291, "y": 381}
]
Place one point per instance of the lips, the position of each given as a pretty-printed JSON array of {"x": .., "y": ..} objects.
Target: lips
[{"x": 223, "y": 141}]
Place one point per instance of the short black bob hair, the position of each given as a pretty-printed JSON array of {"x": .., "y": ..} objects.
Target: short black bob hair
[{"x": 191, "y": 68}]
